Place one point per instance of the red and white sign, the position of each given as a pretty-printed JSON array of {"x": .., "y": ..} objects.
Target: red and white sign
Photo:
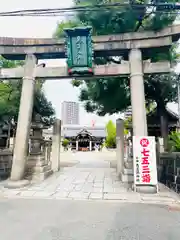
[{"x": 144, "y": 158}]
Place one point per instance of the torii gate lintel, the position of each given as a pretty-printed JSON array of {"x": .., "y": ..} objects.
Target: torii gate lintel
[{"x": 108, "y": 45}]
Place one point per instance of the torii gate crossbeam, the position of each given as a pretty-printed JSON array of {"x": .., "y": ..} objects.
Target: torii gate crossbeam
[{"x": 99, "y": 71}]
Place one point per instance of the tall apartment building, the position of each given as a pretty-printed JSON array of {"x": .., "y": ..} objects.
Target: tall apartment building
[{"x": 70, "y": 113}]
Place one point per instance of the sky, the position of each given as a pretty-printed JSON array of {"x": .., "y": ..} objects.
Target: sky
[{"x": 44, "y": 27}]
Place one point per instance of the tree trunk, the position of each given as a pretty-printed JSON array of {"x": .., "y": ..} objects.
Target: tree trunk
[{"x": 163, "y": 124}]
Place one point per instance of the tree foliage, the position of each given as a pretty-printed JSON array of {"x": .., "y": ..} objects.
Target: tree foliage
[
  {"x": 111, "y": 135},
  {"x": 97, "y": 94},
  {"x": 10, "y": 93},
  {"x": 43, "y": 107},
  {"x": 4, "y": 63},
  {"x": 174, "y": 142},
  {"x": 9, "y": 100},
  {"x": 65, "y": 142},
  {"x": 112, "y": 95}
]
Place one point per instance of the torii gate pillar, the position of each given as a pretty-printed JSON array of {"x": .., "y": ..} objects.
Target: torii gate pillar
[
  {"x": 139, "y": 120},
  {"x": 24, "y": 124}
]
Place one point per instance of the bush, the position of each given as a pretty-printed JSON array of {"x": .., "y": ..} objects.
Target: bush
[
  {"x": 65, "y": 142},
  {"x": 174, "y": 142},
  {"x": 110, "y": 142},
  {"x": 111, "y": 135}
]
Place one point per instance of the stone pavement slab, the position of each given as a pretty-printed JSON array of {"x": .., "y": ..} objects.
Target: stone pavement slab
[
  {"x": 97, "y": 190},
  {"x": 11, "y": 193},
  {"x": 27, "y": 193},
  {"x": 114, "y": 196},
  {"x": 42, "y": 194},
  {"x": 96, "y": 196},
  {"x": 78, "y": 195},
  {"x": 60, "y": 195}
]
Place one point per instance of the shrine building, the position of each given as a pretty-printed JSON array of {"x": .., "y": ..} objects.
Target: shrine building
[{"x": 84, "y": 137}]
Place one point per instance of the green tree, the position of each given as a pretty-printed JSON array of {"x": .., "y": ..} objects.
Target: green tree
[
  {"x": 97, "y": 94},
  {"x": 174, "y": 142},
  {"x": 65, "y": 142},
  {"x": 111, "y": 135},
  {"x": 10, "y": 93},
  {"x": 4, "y": 63},
  {"x": 162, "y": 89},
  {"x": 43, "y": 107}
]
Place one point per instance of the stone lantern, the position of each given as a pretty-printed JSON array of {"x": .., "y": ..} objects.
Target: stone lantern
[
  {"x": 36, "y": 139},
  {"x": 37, "y": 166}
]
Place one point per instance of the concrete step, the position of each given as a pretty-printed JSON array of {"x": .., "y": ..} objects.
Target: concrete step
[
  {"x": 127, "y": 178},
  {"x": 39, "y": 177},
  {"x": 38, "y": 169},
  {"x": 128, "y": 171},
  {"x": 128, "y": 164}
]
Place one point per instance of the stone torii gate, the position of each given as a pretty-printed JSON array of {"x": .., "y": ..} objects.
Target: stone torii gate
[{"x": 132, "y": 46}]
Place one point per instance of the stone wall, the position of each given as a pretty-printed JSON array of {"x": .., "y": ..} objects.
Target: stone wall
[
  {"x": 43, "y": 160},
  {"x": 5, "y": 163}
]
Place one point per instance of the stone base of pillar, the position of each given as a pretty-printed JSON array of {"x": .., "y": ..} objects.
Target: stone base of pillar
[
  {"x": 127, "y": 175},
  {"x": 16, "y": 184},
  {"x": 37, "y": 169},
  {"x": 128, "y": 164},
  {"x": 145, "y": 189},
  {"x": 113, "y": 164}
]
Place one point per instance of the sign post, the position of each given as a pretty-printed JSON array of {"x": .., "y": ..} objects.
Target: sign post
[
  {"x": 144, "y": 160},
  {"x": 79, "y": 51}
]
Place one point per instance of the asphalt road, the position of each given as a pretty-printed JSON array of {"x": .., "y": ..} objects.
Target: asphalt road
[{"x": 24, "y": 219}]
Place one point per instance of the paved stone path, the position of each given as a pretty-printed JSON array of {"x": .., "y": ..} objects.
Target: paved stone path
[{"x": 91, "y": 178}]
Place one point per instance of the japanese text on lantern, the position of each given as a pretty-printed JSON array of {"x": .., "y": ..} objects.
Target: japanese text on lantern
[{"x": 145, "y": 177}]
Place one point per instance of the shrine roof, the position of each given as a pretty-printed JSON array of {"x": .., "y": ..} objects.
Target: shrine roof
[
  {"x": 74, "y": 130},
  {"x": 154, "y": 117}
]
